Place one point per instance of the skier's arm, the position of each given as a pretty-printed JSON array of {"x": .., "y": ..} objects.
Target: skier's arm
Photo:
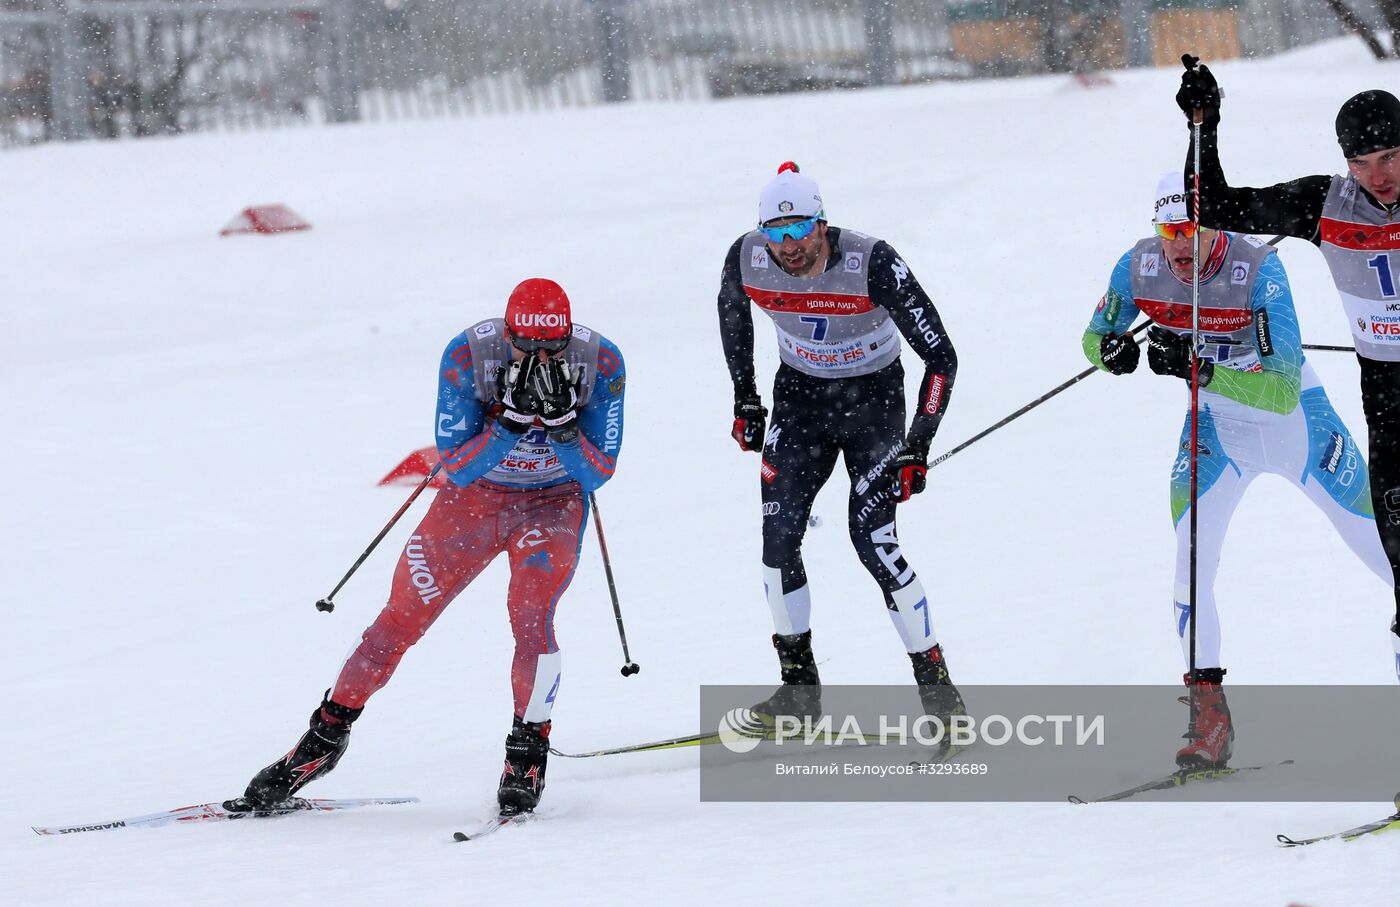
[
  {"x": 469, "y": 444},
  {"x": 1277, "y": 340},
  {"x": 736, "y": 325},
  {"x": 591, "y": 457},
  {"x": 894, "y": 286},
  {"x": 1293, "y": 208},
  {"x": 1115, "y": 313}
]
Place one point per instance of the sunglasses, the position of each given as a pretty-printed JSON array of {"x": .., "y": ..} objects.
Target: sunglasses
[
  {"x": 798, "y": 230},
  {"x": 532, "y": 345},
  {"x": 1181, "y": 230}
]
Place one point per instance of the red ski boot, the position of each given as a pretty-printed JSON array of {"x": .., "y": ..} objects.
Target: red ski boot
[{"x": 1211, "y": 736}]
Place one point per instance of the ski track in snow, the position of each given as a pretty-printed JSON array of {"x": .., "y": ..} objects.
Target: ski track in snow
[{"x": 195, "y": 426}]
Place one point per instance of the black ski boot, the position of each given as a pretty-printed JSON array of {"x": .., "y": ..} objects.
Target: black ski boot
[
  {"x": 800, "y": 696},
  {"x": 527, "y": 755},
  {"x": 315, "y": 754},
  {"x": 940, "y": 698}
]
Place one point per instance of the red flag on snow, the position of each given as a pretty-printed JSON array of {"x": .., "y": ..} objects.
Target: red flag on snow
[
  {"x": 414, "y": 467},
  {"x": 265, "y": 219}
]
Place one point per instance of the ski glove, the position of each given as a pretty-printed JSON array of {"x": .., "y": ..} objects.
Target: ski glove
[
  {"x": 909, "y": 472},
  {"x": 1119, "y": 353},
  {"x": 555, "y": 385},
  {"x": 518, "y": 402},
  {"x": 749, "y": 422},
  {"x": 1199, "y": 91},
  {"x": 1169, "y": 353}
]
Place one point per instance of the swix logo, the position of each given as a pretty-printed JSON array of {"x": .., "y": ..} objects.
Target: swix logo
[
  {"x": 612, "y": 433},
  {"x": 901, "y": 272},
  {"x": 539, "y": 320},
  {"x": 418, "y": 572}
]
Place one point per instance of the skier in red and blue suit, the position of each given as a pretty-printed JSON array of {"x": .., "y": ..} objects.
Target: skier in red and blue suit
[{"x": 529, "y": 424}]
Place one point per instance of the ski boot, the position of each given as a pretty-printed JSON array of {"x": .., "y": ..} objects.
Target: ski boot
[
  {"x": 800, "y": 696},
  {"x": 522, "y": 780},
  {"x": 315, "y": 754},
  {"x": 1211, "y": 735},
  {"x": 940, "y": 698}
]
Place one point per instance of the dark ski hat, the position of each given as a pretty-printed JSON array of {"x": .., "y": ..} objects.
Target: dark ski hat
[{"x": 1369, "y": 122}]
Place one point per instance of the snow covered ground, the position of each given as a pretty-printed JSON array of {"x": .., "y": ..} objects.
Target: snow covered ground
[{"x": 194, "y": 426}]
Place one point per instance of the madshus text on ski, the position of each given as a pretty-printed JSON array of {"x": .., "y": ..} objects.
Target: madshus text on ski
[{"x": 529, "y": 425}]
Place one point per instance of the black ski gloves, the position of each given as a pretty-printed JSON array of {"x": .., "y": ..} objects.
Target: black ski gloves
[
  {"x": 555, "y": 385},
  {"x": 1119, "y": 353},
  {"x": 519, "y": 403},
  {"x": 1199, "y": 91},
  {"x": 749, "y": 421},
  {"x": 909, "y": 472},
  {"x": 1170, "y": 354}
]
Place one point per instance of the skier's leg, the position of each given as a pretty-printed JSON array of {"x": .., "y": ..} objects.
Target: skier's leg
[
  {"x": 455, "y": 541},
  {"x": 547, "y": 527},
  {"x": 1380, "y": 400},
  {"x": 1335, "y": 478},
  {"x": 872, "y": 435},
  {"x": 1221, "y": 483},
  {"x": 546, "y": 531},
  {"x": 798, "y": 456}
]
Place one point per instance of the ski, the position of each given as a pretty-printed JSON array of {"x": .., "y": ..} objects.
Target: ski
[
  {"x": 216, "y": 812},
  {"x": 763, "y": 733},
  {"x": 1180, "y": 778},
  {"x": 1351, "y": 834},
  {"x": 493, "y": 825},
  {"x": 673, "y": 743}
]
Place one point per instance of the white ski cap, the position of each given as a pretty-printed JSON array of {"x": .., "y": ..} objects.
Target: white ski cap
[
  {"x": 1171, "y": 200},
  {"x": 790, "y": 194}
]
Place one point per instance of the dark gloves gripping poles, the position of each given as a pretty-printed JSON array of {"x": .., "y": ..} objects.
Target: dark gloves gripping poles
[
  {"x": 513, "y": 392},
  {"x": 909, "y": 471},
  {"x": 1119, "y": 353},
  {"x": 1199, "y": 91},
  {"x": 555, "y": 385},
  {"x": 750, "y": 419},
  {"x": 1170, "y": 354}
]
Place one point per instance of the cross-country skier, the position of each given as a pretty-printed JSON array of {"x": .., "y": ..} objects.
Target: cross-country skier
[
  {"x": 529, "y": 421},
  {"x": 1352, "y": 219},
  {"x": 1262, "y": 409},
  {"x": 840, "y": 301}
]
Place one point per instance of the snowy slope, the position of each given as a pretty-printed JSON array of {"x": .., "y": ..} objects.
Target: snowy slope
[{"x": 194, "y": 427}]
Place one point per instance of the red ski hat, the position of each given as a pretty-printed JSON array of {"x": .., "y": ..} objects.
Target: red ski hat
[{"x": 538, "y": 309}]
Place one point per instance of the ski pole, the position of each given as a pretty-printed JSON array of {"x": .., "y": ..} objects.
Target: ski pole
[
  {"x": 630, "y": 667},
  {"x": 1031, "y": 405},
  {"x": 326, "y": 604},
  {"x": 1197, "y": 116}
]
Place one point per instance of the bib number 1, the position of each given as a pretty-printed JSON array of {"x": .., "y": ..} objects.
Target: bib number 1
[{"x": 1381, "y": 264}]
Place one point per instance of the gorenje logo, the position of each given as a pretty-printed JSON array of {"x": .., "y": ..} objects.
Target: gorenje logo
[{"x": 539, "y": 320}]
